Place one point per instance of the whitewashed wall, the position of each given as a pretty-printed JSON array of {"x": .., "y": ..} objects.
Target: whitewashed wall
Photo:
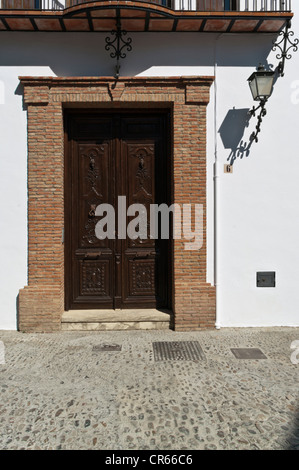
[{"x": 257, "y": 205}]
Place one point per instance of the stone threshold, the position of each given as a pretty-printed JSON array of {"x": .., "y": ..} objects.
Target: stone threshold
[{"x": 103, "y": 320}]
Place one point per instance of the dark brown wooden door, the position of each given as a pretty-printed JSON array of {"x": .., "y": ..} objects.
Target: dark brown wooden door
[{"x": 119, "y": 160}]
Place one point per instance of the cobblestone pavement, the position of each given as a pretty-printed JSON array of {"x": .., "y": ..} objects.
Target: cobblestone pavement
[{"x": 61, "y": 391}]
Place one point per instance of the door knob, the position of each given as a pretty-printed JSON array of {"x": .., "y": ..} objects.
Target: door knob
[{"x": 92, "y": 211}]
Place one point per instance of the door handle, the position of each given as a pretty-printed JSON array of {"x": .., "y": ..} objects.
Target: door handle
[
  {"x": 144, "y": 254},
  {"x": 92, "y": 255},
  {"x": 92, "y": 211}
]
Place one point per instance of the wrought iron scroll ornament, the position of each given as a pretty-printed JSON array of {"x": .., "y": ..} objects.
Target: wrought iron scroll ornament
[
  {"x": 118, "y": 45},
  {"x": 284, "y": 45}
]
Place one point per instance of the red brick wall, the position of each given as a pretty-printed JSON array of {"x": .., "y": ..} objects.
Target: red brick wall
[{"x": 41, "y": 303}]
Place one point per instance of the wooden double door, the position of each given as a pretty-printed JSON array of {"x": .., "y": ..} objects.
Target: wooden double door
[{"x": 117, "y": 159}]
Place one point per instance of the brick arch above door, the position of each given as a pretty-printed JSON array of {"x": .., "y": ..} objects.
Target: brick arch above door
[{"x": 41, "y": 302}]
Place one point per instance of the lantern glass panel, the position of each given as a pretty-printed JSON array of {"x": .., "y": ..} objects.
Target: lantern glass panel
[
  {"x": 253, "y": 88},
  {"x": 264, "y": 86}
]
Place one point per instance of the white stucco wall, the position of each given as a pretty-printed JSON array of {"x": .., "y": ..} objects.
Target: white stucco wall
[
  {"x": 13, "y": 198},
  {"x": 258, "y": 203},
  {"x": 258, "y": 210}
]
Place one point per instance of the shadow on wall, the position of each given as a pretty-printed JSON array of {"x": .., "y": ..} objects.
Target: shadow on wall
[
  {"x": 232, "y": 131},
  {"x": 71, "y": 54},
  {"x": 20, "y": 91}
]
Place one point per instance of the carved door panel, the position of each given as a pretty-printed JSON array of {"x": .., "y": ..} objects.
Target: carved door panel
[
  {"x": 144, "y": 260},
  {"x": 108, "y": 157},
  {"x": 89, "y": 173}
]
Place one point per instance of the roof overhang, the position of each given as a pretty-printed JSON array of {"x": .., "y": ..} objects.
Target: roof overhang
[{"x": 140, "y": 16}]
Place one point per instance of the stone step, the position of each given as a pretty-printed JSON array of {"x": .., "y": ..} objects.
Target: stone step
[{"x": 128, "y": 319}]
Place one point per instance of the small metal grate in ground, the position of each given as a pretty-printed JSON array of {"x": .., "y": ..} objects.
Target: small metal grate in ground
[
  {"x": 178, "y": 351},
  {"x": 106, "y": 347},
  {"x": 248, "y": 353}
]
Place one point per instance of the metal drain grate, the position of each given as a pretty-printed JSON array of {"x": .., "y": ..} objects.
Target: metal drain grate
[
  {"x": 248, "y": 353},
  {"x": 178, "y": 351},
  {"x": 106, "y": 347}
]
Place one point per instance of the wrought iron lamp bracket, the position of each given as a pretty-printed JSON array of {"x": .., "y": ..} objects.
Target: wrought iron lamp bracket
[
  {"x": 285, "y": 45},
  {"x": 118, "y": 45},
  {"x": 262, "y": 114}
]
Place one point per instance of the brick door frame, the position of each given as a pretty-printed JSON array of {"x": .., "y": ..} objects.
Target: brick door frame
[{"x": 41, "y": 302}]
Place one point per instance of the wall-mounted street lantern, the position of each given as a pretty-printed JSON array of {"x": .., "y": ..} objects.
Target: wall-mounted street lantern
[
  {"x": 261, "y": 81},
  {"x": 261, "y": 86}
]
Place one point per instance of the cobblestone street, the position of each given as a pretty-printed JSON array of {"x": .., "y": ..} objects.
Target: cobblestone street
[{"x": 108, "y": 390}]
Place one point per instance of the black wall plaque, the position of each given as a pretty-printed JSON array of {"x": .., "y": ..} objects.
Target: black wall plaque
[{"x": 265, "y": 279}]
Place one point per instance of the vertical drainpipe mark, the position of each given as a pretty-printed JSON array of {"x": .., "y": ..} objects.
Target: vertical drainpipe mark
[{"x": 216, "y": 194}]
